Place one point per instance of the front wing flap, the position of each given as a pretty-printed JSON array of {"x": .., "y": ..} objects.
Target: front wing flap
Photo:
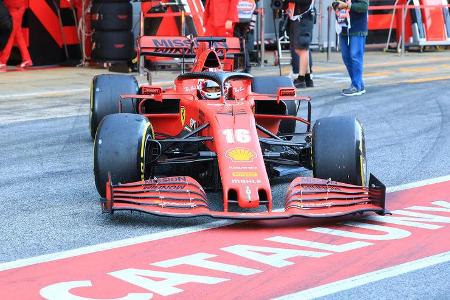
[{"x": 183, "y": 196}]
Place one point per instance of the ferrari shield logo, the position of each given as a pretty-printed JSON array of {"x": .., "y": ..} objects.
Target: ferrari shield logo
[{"x": 183, "y": 115}]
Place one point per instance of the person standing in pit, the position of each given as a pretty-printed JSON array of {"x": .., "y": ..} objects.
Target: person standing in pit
[
  {"x": 16, "y": 10},
  {"x": 301, "y": 27},
  {"x": 219, "y": 17}
]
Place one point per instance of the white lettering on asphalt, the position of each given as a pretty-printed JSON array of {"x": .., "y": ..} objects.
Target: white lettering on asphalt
[
  {"x": 412, "y": 220},
  {"x": 277, "y": 259},
  {"x": 391, "y": 232},
  {"x": 61, "y": 290},
  {"x": 200, "y": 260},
  {"x": 273, "y": 256},
  {"x": 322, "y": 246},
  {"x": 164, "y": 287},
  {"x": 445, "y": 207},
  {"x": 417, "y": 219}
]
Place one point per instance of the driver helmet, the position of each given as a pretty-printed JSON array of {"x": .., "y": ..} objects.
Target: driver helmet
[{"x": 209, "y": 90}]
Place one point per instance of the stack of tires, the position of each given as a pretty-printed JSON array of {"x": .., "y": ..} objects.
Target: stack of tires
[{"x": 111, "y": 21}]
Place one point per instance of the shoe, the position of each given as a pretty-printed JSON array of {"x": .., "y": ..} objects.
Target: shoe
[
  {"x": 25, "y": 64},
  {"x": 3, "y": 68},
  {"x": 300, "y": 83},
  {"x": 247, "y": 70},
  {"x": 308, "y": 80},
  {"x": 353, "y": 92}
]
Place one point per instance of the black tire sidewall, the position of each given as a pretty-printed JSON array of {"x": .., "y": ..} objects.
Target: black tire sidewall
[
  {"x": 119, "y": 149},
  {"x": 338, "y": 150},
  {"x": 105, "y": 97}
]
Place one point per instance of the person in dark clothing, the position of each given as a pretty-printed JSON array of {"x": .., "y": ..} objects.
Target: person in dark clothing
[
  {"x": 5, "y": 25},
  {"x": 301, "y": 27},
  {"x": 242, "y": 30},
  {"x": 295, "y": 62},
  {"x": 352, "y": 22}
]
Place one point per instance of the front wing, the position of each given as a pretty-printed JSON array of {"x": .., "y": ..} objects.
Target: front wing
[{"x": 183, "y": 196}]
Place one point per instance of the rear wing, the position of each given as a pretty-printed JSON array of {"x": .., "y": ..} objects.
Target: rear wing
[{"x": 185, "y": 47}]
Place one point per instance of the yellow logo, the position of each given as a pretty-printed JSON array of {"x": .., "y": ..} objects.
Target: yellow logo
[
  {"x": 244, "y": 174},
  {"x": 240, "y": 154},
  {"x": 183, "y": 115}
]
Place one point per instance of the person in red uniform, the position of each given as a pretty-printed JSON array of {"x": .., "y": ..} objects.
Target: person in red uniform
[
  {"x": 220, "y": 16},
  {"x": 16, "y": 10}
]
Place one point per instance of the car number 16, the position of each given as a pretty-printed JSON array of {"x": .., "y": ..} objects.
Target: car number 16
[{"x": 237, "y": 135}]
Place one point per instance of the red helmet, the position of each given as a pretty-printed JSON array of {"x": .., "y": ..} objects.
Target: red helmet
[{"x": 209, "y": 90}]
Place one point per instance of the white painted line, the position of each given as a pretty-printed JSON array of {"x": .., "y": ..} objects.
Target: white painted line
[
  {"x": 417, "y": 184},
  {"x": 44, "y": 93},
  {"x": 63, "y": 92},
  {"x": 352, "y": 282},
  {"x": 113, "y": 245},
  {"x": 161, "y": 235}
]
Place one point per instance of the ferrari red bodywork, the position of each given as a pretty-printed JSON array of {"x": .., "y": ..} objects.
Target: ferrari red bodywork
[{"x": 229, "y": 134}]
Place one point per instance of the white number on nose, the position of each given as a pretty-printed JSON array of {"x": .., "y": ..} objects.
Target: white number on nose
[{"x": 238, "y": 135}]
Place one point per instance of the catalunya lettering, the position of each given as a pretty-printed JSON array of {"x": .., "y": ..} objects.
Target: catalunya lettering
[{"x": 242, "y": 260}]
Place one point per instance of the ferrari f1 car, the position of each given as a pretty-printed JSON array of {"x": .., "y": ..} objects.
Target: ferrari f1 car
[{"x": 225, "y": 131}]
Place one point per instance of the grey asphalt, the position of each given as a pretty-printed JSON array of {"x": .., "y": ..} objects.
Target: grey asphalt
[{"x": 49, "y": 202}]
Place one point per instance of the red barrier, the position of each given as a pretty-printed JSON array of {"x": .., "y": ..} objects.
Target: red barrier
[{"x": 432, "y": 16}]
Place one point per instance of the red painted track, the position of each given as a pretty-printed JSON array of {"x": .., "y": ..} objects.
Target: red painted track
[{"x": 276, "y": 270}]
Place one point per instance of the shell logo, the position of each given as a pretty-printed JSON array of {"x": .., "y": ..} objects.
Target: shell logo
[{"x": 241, "y": 154}]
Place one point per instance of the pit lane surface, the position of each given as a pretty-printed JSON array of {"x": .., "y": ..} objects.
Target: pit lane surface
[{"x": 49, "y": 202}]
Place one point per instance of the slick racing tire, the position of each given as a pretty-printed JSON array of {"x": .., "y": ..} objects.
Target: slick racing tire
[
  {"x": 270, "y": 85},
  {"x": 105, "y": 97},
  {"x": 111, "y": 16},
  {"x": 338, "y": 150},
  {"x": 112, "y": 45},
  {"x": 120, "y": 149}
]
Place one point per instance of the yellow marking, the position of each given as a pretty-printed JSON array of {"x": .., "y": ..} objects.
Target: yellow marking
[
  {"x": 244, "y": 174},
  {"x": 240, "y": 154},
  {"x": 182, "y": 115},
  {"x": 427, "y": 79},
  {"x": 144, "y": 135},
  {"x": 377, "y": 74},
  {"x": 92, "y": 95},
  {"x": 417, "y": 69},
  {"x": 362, "y": 162}
]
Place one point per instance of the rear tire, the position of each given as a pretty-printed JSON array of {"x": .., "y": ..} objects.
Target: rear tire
[
  {"x": 270, "y": 85},
  {"x": 119, "y": 149},
  {"x": 105, "y": 97},
  {"x": 338, "y": 150}
]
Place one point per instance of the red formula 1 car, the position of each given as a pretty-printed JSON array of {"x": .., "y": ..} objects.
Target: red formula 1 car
[{"x": 228, "y": 131}]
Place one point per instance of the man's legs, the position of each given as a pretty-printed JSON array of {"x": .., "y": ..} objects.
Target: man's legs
[
  {"x": 346, "y": 57},
  {"x": 357, "y": 44},
  {"x": 17, "y": 36},
  {"x": 303, "y": 65},
  {"x": 7, "y": 50}
]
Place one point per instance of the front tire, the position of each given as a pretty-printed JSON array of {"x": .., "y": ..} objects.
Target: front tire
[
  {"x": 119, "y": 149},
  {"x": 338, "y": 150}
]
